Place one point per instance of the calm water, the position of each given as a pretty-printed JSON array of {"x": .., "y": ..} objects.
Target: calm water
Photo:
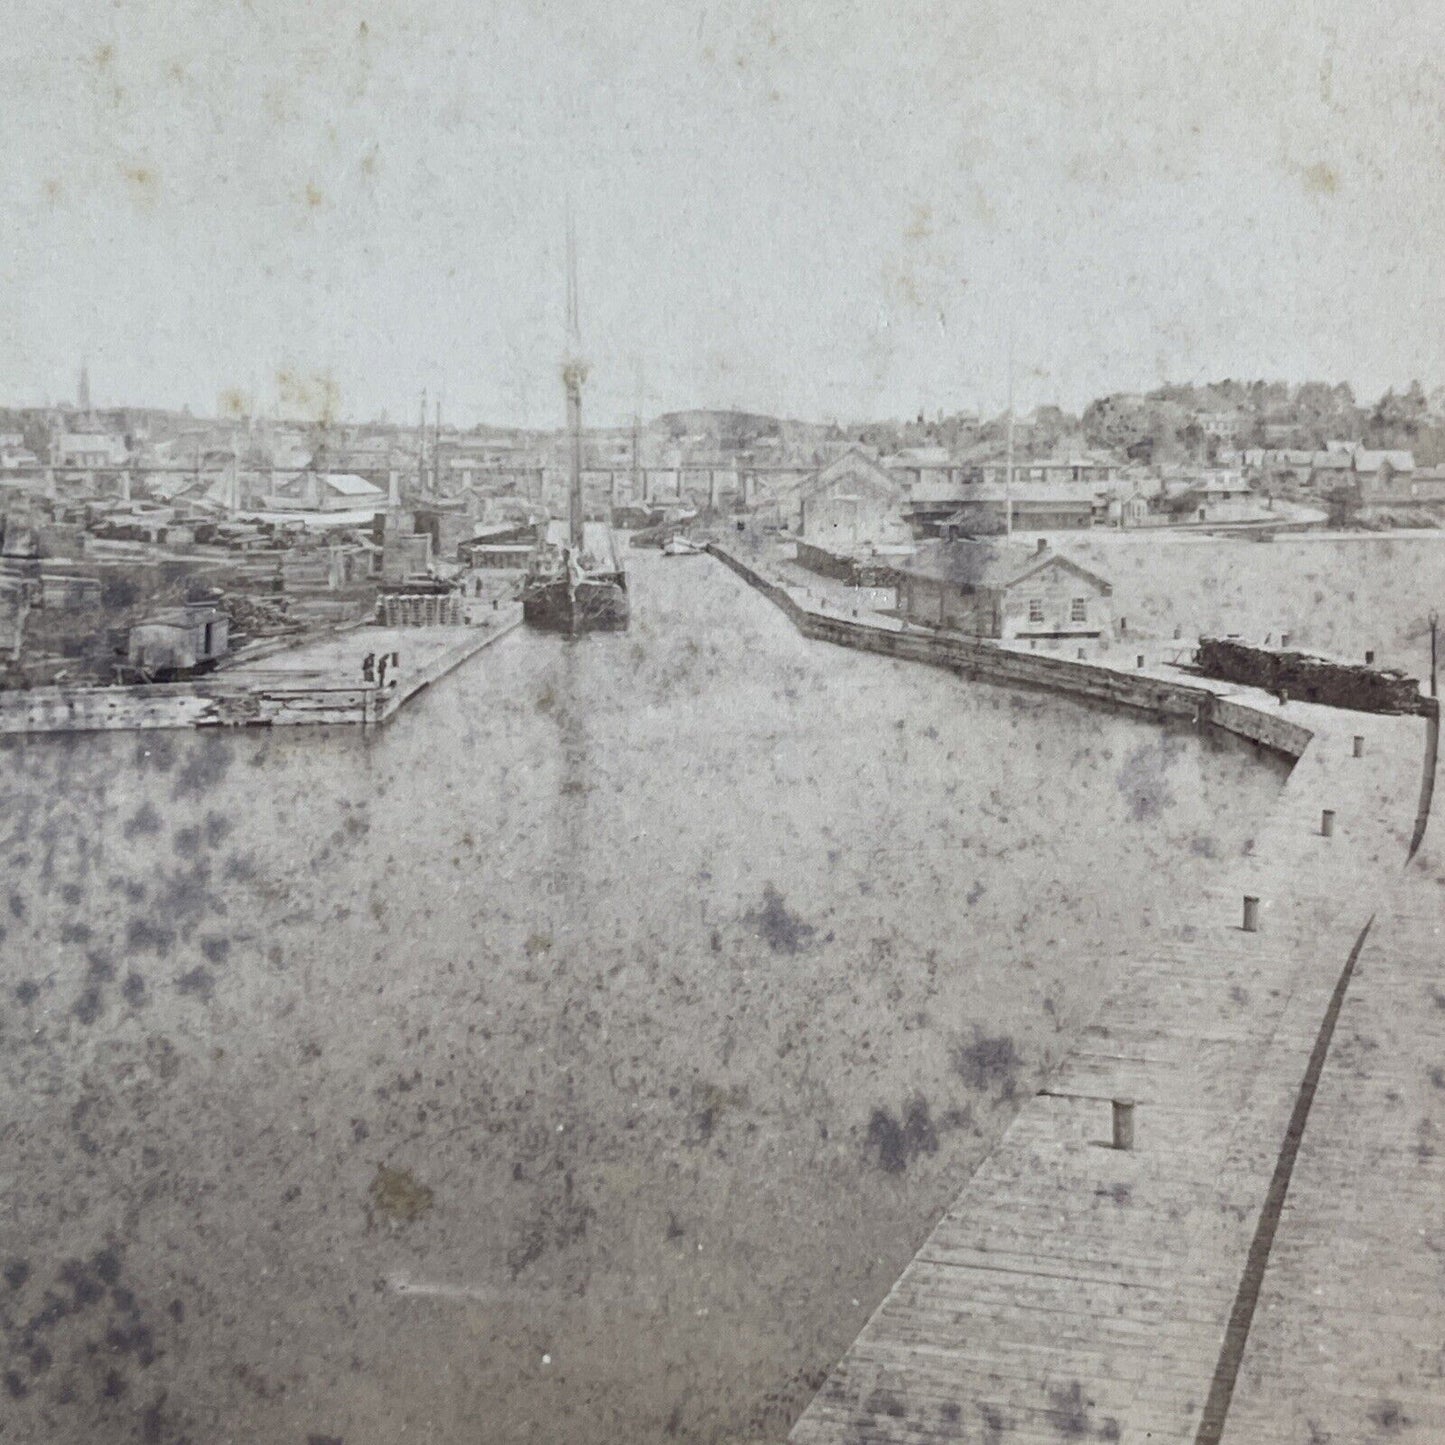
[{"x": 579, "y": 1059}]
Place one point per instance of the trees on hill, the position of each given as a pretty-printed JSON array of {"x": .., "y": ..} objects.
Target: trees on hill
[{"x": 1193, "y": 422}]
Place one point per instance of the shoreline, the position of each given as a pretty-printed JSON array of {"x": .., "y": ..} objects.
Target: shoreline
[{"x": 248, "y": 694}]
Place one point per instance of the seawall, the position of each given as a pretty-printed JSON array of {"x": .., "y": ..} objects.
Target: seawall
[{"x": 1161, "y": 697}]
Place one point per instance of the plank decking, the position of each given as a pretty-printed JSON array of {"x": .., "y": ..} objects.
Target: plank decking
[{"x": 1077, "y": 1292}]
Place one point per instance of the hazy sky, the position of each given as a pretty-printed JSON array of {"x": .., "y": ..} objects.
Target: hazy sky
[{"x": 821, "y": 210}]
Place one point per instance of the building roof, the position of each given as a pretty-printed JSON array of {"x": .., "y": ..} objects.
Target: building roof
[
  {"x": 1036, "y": 493},
  {"x": 195, "y": 614},
  {"x": 921, "y": 456},
  {"x": 314, "y": 521},
  {"x": 1219, "y": 482},
  {"x": 1074, "y": 459},
  {"x": 939, "y": 493},
  {"x": 1397, "y": 461},
  {"x": 853, "y": 465},
  {"x": 92, "y": 442},
  {"x": 348, "y": 484},
  {"x": 988, "y": 564}
]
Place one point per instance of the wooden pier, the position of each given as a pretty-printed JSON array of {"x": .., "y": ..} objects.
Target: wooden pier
[
  {"x": 1346, "y": 1343},
  {"x": 317, "y": 683},
  {"x": 1078, "y": 1291},
  {"x": 1223, "y": 1218}
]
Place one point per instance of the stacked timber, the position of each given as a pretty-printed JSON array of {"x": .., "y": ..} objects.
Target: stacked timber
[{"x": 1309, "y": 678}]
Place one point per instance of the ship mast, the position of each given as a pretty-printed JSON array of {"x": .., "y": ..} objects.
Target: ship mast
[
  {"x": 639, "y": 489},
  {"x": 574, "y": 372}
]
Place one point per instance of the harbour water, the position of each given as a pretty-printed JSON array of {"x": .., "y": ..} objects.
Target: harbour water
[{"x": 577, "y": 1059}]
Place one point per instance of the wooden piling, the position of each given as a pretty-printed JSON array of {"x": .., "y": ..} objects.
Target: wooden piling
[{"x": 1123, "y": 1123}]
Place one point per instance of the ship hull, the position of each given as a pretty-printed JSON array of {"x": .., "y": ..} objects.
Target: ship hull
[{"x": 589, "y": 605}]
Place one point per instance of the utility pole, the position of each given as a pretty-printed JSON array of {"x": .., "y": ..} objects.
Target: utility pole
[
  {"x": 637, "y": 434},
  {"x": 436, "y": 452},
  {"x": 421, "y": 447},
  {"x": 1008, "y": 475},
  {"x": 1434, "y": 656}
]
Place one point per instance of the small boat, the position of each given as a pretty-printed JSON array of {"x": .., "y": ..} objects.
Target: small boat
[{"x": 680, "y": 546}]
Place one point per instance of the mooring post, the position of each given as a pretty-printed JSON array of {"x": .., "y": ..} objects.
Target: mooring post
[
  {"x": 1359, "y": 746},
  {"x": 1283, "y": 696},
  {"x": 1251, "y": 914},
  {"x": 1123, "y": 1123},
  {"x": 1284, "y": 639},
  {"x": 1327, "y": 823},
  {"x": 1139, "y": 660},
  {"x": 1370, "y": 657}
]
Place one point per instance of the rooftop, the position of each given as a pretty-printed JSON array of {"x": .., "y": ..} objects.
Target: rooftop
[
  {"x": 350, "y": 485},
  {"x": 983, "y": 563}
]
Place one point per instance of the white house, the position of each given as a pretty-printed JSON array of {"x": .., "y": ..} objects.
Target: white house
[
  {"x": 1003, "y": 590},
  {"x": 850, "y": 503},
  {"x": 88, "y": 450}
]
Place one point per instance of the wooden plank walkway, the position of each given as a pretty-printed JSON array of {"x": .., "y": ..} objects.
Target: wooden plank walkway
[
  {"x": 1348, "y": 1342},
  {"x": 1076, "y": 1292}
]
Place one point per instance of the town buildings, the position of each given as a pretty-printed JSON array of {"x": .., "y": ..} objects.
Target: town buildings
[
  {"x": 86, "y": 451},
  {"x": 1045, "y": 507},
  {"x": 312, "y": 491},
  {"x": 851, "y": 503},
  {"x": 178, "y": 641},
  {"x": 1003, "y": 590}
]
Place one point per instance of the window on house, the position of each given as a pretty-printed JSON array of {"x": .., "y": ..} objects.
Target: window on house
[
  {"x": 1079, "y": 610},
  {"x": 1036, "y": 609}
]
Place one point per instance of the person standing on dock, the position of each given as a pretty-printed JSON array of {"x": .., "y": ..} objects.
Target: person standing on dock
[
  {"x": 368, "y": 667},
  {"x": 381, "y": 671}
]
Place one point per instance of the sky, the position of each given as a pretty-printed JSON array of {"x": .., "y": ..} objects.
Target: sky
[{"x": 844, "y": 210}]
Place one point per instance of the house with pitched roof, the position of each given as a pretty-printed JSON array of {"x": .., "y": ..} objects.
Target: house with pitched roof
[
  {"x": 1382, "y": 474},
  {"x": 312, "y": 491},
  {"x": 850, "y": 503},
  {"x": 1003, "y": 590},
  {"x": 1418, "y": 487}
]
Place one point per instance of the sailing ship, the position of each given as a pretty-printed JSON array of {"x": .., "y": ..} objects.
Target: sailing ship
[{"x": 575, "y": 579}]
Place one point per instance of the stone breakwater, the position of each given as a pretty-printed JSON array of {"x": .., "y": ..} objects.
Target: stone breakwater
[{"x": 1201, "y": 702}]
